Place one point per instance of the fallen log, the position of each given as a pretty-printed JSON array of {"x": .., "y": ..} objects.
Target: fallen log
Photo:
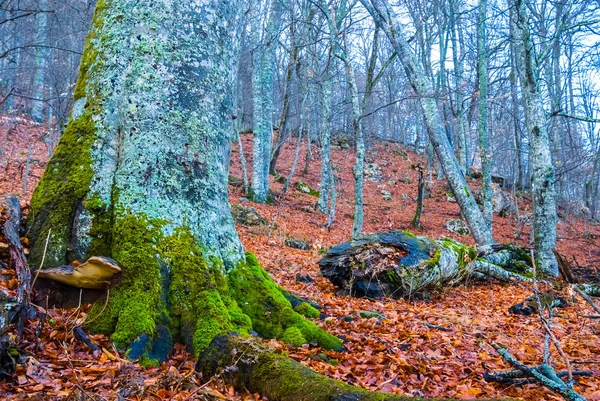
[
  {"x": 400, "y": 264},
  {"x": 246, "y": 364}
]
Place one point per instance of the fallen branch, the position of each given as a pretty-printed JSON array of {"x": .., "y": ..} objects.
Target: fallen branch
[
  {"x": 517, "y": 377},
  {"x": 17, "y": 260},
  {"x": 586, "y": 298},
  {"x": 436, "y": 327},
  {"x": 544, "y": 374},
  {"x": 82, "y": 336}
]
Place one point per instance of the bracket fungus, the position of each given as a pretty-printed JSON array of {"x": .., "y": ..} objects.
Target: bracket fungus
[{"x": 96, "y": 272}]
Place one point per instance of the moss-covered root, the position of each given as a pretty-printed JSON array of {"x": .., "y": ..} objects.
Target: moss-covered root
[
  {"x": 277, "y": 377},
  {"x": 271, "y": 312}
]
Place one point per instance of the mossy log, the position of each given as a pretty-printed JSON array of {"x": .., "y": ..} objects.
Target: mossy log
[
  {"x": 400, "y": 264},
  {"x": 246, "y": 364}
]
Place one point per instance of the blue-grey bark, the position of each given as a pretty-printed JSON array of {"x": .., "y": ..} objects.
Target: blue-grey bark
[
  {"x": 484, "y": 141},
  {"x": 263, "y": 59},
  {"x": 37, "y": 107},
  {"x": 326, "y": 184},
  {"x": 544, "y": 203},
  {"x": 154, "y": 112}
]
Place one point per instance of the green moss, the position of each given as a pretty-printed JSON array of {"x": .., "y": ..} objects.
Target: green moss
[
  {"x": 307, "y": 310},
  {"x": 271, "y": 313},
  {"x": 148, "y": 362},
  {"x": 304, "y": 188},
  {"x": 69, "y": 173},
  {"x": 136, "y": 303},
  {"x": 293, "y": 336},
  {"x": 65, "y": 182},
  {"x": 90, "y": 52}
]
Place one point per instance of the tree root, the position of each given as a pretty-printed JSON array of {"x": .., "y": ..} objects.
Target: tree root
[{"x": 246, "y": 364}]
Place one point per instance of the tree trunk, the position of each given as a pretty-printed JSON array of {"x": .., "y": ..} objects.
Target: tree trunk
[
  {"x": 140, "y": 175},
  {"x": 400, "y": 264},
  {"x": 282, "y": 133},
  {"x": 37, "y": 107},
  {"x": 544, "y": 203},
  {"x": 463, "y": 151},
  {"x": 484, "y": 141},
  {"x": 386, "y": 18},
  {"x": 262, "y": 87},
  {"x": 326, "y": 172}
]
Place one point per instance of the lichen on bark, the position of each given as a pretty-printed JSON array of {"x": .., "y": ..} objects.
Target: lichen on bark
[{"x": 140, "y": 175}]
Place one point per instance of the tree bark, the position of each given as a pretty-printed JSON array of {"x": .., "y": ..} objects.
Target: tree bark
[
  {"x": 140, "y": 175},
  {"x": 484, "y": 141},
  {"x": 262, "y": 88},
  {"x": 386, "y": 18},
  {"x": 37, "y": 107},
  {"x": 544, "y": 203},
  {"x": 399, "y": 264}
]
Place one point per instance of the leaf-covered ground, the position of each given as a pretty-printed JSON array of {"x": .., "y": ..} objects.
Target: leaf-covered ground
[{"x": 398, "y": 354}]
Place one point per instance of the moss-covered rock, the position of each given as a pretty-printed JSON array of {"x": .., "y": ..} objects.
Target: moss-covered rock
[{"x": 304, "y": 188}]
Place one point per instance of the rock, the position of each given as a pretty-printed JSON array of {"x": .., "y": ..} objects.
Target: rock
[
  {"x": 304, "y": 188},
  {"x": 575, "y": 208},
  {"x": 279, "y": 178},
  {"x": 372, "y": 172},
  {"x": 458, "y": 226},
  {"x": 450, "y": 198},
  {"x": 386, "y": 195},
  {"x": 297, "y": 244},
  {"x": 368, "y": 314},
  {"x": 385, "y": 163},
  {"x": 548, "y": 300},
  {"x": 307, "y": 209},
  {"x": 247, "y": 216},
  {"x": 235, "y": 181},
  {"x": 304, "y": 279},
  {"x": 406, "y": 180},
  {"x": 400, "y": 152},
  {"x": 502, "y": 203}
]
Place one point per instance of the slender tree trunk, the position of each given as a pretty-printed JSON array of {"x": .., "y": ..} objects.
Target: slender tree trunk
[
  {"x": 384, "y": 16},
  {"x": 458, "y": 92},
  {"x": 140, "y": 175},
  {"x": 544, "y": 204},
  {"x": 39, "y": 92},
  {"x": 484, "y": 142},
  {"x": 262, "y": 88},
  {"x": 326, "y": 184},
  {"x": 515, "y": 118},
  {"x": 282, "y": 133}
]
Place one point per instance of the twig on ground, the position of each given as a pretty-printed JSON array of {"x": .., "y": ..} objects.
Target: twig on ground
[{"x": 436, "y": 327}]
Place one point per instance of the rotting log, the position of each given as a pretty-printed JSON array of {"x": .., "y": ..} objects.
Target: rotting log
[
  {"x": 246, "y": 364},
  {"x": 400, "y": 264}
]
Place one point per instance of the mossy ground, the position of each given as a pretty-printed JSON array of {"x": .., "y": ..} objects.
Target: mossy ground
[{"x": 169, "y": 281}]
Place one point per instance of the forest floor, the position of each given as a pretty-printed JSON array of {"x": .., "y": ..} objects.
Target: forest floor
[{"x": 397, "y": 354}]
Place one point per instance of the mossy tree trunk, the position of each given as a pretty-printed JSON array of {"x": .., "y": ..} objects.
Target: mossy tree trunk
[
  {"x": 400, "y": 264},
  {"x": 140, "y": 175}
]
